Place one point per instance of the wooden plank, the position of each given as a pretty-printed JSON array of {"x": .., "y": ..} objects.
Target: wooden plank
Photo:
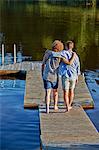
[
  {"x": 60, "y": 128},
  {"x": 6, "y": 72},
  {"x": 34, "y": 92},
  {"x": 63, "y": 128},
  {"x": 26, "y": 66}
]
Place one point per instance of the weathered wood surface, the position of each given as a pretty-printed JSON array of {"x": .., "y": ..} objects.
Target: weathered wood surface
[
  {"x": 6, "y": 72},
  {"x": 59, "y": 129},
  {"x": 34, "y": 92},
  {"x": 26, "y": 66}
]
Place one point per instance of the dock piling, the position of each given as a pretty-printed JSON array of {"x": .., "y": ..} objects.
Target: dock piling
[
  {"x": 2, "y": 48},
  {"x": 15, "y": 53}
]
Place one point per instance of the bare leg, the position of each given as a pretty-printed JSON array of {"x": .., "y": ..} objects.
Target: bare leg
[
  {"x": 71, "y": 96},
  {"x": 66, "y": 98},
  {"x": 55, "y": 97},
  {"x": 47, "y": 99}
]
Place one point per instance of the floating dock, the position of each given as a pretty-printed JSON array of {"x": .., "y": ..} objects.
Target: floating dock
[
  {"x": 34, "y": 92},
  {"x": 58, "y": 129}
]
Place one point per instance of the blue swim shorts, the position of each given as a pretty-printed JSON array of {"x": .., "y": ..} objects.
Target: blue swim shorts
[{"x": 50, "y": 85}]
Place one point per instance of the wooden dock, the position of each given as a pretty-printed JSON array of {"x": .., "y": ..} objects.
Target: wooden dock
[
  {"x": 34, "y": 92},
  {"x": 58, "y": 129},
  {"x": 23, "y": 66}
]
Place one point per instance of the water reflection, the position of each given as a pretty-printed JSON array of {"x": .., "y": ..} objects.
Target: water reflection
[
  {"x": 11, "y": 84},
  {"x": 37, "y": 24}
]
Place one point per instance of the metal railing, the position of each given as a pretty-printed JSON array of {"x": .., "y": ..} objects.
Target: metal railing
[{"x": 17, "y": 56}]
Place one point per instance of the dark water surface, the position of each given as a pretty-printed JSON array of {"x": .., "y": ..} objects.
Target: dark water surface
[
  {"x": 19, "y": 128},
  {"x": 36, "y": 24},
  {"x": 92, "y": 80}
]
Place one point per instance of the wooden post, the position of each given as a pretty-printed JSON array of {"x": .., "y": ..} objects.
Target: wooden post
[
  {"x": 2, "y": 54},
  {"x": 15, "y": 53}
]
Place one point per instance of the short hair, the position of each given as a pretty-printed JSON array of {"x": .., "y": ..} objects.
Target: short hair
[
  {"x": 55, "y": 43},
  {"x": 69, "y": 42}
]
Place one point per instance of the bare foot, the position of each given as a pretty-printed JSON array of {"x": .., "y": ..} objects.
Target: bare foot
[
  {"x": 55, "y": 107},
  {"x": 69, "y": 108}
]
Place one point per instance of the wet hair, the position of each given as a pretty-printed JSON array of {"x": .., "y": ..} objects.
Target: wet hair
[{"x": 68, "y": 43}]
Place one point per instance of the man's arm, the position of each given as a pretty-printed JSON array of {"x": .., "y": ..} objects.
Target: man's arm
[
  {"x": 43, "y": 64},
  {"x": 42, "y": 69},
  {"x": 69, "y": 62},
  {"x": 45, "y": 58},
  {"x": 78, "y": 69}
]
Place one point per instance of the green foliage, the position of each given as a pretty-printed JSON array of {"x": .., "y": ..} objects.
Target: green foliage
[{"x": 36, "y": 25}]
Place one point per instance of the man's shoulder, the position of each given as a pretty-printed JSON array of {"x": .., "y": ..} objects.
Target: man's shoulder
[
  {"x": 53, "y": 53},
  {"x": 48, "y": 51},
  {"x": 56, "y": 54},
  {"x": 64, "y": 52}
]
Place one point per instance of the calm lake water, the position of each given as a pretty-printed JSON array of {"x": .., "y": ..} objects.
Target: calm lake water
[
  {"x": 19, "y": 128},
  {"x": 36, "y": 24},
  {"x": 92, "y": 80}
]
